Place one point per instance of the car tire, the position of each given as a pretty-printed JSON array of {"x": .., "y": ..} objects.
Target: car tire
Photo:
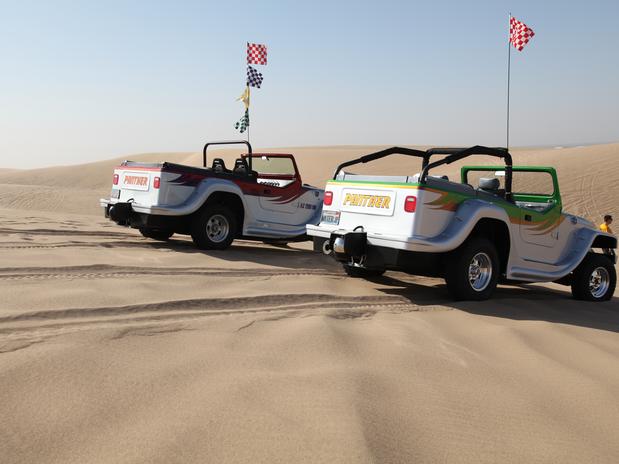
[
  {"x": 157, "y": 234},
  {"x": 472, "y": 270},
  {"x": 361, "y": 272},
  {"x": 214, "y": 228},
  {"x": 594, "y": 279}
]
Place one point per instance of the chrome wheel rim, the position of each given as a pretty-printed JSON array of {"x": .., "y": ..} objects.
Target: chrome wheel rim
[
  {"x": 217, "y": 228},
  {"x": 480, "y": 272},
  {"x": 599, "y": 282}
]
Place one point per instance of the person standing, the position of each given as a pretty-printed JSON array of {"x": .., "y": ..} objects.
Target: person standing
[{"x": 605, "y": 226}]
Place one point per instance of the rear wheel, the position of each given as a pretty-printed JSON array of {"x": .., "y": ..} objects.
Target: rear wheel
[
  {"x": 356, "y": 271},
  {"x": 473, "y": 270},
  {"x": 214, "y": 228},
  {"x": 157, "y": 234},
  {"x": 594, "y": 279}
]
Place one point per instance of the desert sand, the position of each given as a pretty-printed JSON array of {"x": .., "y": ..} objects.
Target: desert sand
[{"x": 119, "y": 349}]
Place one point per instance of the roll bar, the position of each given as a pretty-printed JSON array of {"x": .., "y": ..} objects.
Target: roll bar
[
  {"x": 456, "y": 154},
  {"x": 227, "y": 142},
  {"x": 453, "y": 155},
  {"x": 382, "y": 154}
]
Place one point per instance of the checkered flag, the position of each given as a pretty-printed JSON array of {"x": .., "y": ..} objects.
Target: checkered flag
[
  {"x": 519, "y": 33},
  {"x": 243, "y": 123},
  {"x": 254, "y": 78},
  {"x": 256, "y": 53}
]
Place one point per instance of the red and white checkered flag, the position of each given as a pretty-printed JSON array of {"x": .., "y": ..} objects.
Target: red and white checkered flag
[
  {"x": 256, "y": 53},
  {"x": 519, "y": 33}
]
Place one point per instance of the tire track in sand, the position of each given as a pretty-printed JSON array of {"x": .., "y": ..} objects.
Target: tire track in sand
[
  {"x": 64, "y": 232},
  {"x": 103, "y": 271},
  {"x": 209, "y": 306},
  {"x": 21, "y": 329},
  {"x": 75, "y": 244}
]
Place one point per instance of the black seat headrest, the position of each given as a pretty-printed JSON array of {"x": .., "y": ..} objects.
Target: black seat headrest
[
  {"x": 489, "y": 184},
  {"x": 240, "y": 166},
  {"x": 219, "y": 165}
]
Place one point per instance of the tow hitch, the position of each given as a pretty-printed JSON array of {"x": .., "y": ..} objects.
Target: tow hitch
[
  {"x": 120, "y": 213},
  {"x": 348, "y": 245}
]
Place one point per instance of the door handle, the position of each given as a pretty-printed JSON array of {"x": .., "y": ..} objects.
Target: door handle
[{"x": 527, "y": 217}]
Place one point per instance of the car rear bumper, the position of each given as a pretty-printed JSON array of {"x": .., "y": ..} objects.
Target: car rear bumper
[
  {"x": 354, "y": 248},
  {"x": 126, "y": 214},
  {"x": 399, "y": 242},
  {"x": 181, "y": 210}
]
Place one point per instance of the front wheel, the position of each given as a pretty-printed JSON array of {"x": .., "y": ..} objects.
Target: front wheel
[
  {"x": 214, "y": 228},
  {"x": 472, "y": 271},
  {"x": 594, "y": 279}
]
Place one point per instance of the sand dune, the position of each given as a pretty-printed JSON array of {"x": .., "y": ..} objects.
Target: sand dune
[
  {"x": 589, "y": 184},
  {"x": 115, "y": 348}
]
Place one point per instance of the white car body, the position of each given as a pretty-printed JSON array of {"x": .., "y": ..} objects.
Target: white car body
[
  {"x": 413, "y": 223},
  {"x": 167, "y": 196}
]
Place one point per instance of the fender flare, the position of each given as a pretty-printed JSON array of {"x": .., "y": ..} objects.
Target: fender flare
[
  {"x": 198, "y": 198},
  {"x": 466, "y": 217},
  {"x": 581, "y": 244},
  {"x": 208, "y": 188},
  {"x": 604, "y": 239}
]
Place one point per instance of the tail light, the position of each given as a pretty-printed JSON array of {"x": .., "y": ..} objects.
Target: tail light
[
  {"x": 115, "y": 179},
  {"x": 157, "y": 182},
  {"x": 328, "y": 198},
  {"x": 410, "y": 204}
]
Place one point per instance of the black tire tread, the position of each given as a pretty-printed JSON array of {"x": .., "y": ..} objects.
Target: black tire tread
[
  {"x": 198, "y": 227},
  {"x": 580, "y": 277},
  {"x": 456, "y": 269}
]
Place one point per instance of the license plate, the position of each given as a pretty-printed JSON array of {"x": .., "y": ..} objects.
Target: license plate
[
  {"x": 330, "y": 217},
  {"x": 115, "y": 194}
]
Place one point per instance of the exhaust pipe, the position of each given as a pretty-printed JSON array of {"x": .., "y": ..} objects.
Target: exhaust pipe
[{"x": 338, "y": 245}]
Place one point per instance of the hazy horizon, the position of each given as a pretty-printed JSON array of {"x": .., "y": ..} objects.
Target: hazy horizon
[
  {"x": 89, "y": 82},
  {"x": 291, "y": 147}
]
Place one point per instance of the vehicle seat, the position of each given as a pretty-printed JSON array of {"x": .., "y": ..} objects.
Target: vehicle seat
[
  {"x": 489, "y": 185},
  {"x": 219, "y": 165},
  {"x": 240, "y": 167}
]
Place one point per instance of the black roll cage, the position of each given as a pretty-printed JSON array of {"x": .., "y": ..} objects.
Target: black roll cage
[
  {"x": 382, "y": 154},
  {"x": 228, "y": 142},
  {"x": 453, "y": 155}
]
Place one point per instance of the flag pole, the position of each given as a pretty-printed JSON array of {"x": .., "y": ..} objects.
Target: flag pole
[
  {"x": 248, "y": 92},
  {"x": 509, "y": 50},
  {"x": 249, "y": 121}
]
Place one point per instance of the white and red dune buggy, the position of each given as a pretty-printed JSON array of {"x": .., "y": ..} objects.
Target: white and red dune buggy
[{"x": 261, "y": 197}]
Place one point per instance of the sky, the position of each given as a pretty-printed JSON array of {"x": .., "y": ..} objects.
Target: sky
[{"x": 89, "y": 80}]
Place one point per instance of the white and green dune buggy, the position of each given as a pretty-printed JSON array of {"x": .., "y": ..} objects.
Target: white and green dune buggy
[{"x": 498, "y": 223}]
